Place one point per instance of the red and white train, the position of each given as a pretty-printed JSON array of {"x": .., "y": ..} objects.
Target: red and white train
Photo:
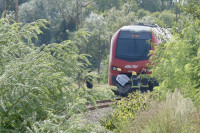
[{"x": 130, "y": 51}]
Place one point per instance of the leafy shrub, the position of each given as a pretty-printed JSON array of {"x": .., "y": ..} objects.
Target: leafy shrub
[
  {"x": 155, "y": 14},
  {"x": 126, "y": 109},
  {"x": 167, "y": 18},
  {"x": 177, "y": 61},
  {"x": 117, "y": 18},
  {"x": 147, "y": 20},
  {"x": 100, "y": 92},
  {"x": 38, "y": 91},
  {"x": 141, "y": 13}
]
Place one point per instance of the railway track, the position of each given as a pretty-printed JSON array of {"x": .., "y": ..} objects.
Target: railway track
[{"x": 101, "y": 104}]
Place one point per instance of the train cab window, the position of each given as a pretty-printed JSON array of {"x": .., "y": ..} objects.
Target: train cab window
[{"x": 133, "y": 47}]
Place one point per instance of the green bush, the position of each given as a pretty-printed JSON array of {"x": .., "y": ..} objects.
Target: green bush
[
  {"x": 167, "y": 18},
  {"x": 155, "y": 14},
  {"x": 126, "y": 109},
  {"x": 177, "y": 61},
  {"x": 38, "y": 84},
  {"x": 100, "y": 92},
  {"x": 141, "y": 13}
]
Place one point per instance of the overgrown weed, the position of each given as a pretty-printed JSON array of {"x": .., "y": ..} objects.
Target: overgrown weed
[
  {"x": 175, "y": 114},
  {"x": 126, "y": 109}
]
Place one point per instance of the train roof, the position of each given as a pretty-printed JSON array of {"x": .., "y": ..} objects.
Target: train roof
[
  {"x": 148, "y": 28},
  {"x": 136, "y": 28}
]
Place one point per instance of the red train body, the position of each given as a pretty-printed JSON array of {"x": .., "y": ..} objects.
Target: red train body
[{"x": 129, "y": 51}]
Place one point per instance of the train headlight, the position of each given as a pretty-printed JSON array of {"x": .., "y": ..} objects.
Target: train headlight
[
  {"x": 119, "y": 69},
  {"x": 116, "y": 69}
]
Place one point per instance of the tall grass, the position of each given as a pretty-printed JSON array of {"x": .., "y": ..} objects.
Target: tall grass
[{"x": 176, "y": 114}]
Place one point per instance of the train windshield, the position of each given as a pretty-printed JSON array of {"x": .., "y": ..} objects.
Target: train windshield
[{"x": 133, "y": 47}]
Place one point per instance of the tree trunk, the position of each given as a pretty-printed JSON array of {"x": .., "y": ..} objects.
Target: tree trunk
[
  {"x": 110, "y": 38},
  {"x": 77, "y": 15},
  {"x": 16, "y": 11},
  {"x": 99, "y": 57},
  {"x": 81, "y": 13},
  {"x": 4, "y": 8},
  {"x": 162, "y": 5}
]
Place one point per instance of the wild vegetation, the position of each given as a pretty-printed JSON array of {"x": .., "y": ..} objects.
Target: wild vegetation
[
  {"x": 174, "y": 114},
  {"x": 177, "y": 69},
  {"x": 38, "y": 84},
  {"x": 46, "y": 57}
]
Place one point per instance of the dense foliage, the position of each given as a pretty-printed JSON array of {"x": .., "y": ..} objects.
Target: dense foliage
[
  {"x": 37, "y": 84},
  {"x": 177, "y": 61},
  {"x": 176, "y": 66},
  {"x": 66, "y": 17},
  {"x": 41, "y": 75},
  {"x": 173, "y": 114},
  {"x": 126, "y": 109}
]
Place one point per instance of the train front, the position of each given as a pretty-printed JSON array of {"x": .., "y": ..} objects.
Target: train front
[{"x": 129, "y": 53}]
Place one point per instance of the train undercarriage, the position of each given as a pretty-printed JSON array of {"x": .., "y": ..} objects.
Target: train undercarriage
[{"x": 128, "y": 84}]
